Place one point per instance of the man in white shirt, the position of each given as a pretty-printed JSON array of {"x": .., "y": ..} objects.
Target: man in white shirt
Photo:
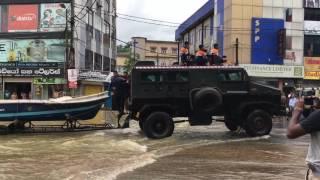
[{"x": 309, "y": 125}]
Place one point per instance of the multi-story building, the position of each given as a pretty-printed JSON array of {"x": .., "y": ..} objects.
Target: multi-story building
[
  {"x": 41, "y": 39},
  {"x": 163, "y": 53},
  {"x": 312, "y": 41},
  {"x": 264, "y": 36}
]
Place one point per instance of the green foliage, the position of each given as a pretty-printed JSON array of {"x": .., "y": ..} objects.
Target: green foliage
[
  {"x": 130, "y": 61},
  {"x": 123, "y": 48}
]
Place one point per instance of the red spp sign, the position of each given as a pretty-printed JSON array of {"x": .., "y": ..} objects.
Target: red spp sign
[{"x": 22, "y": 18}]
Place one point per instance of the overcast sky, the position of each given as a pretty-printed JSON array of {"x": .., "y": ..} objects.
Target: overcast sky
[{"x": 166, "y": 10}]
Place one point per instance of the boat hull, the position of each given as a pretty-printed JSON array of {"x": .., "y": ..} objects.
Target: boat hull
[{"x": 42, "y": 111}]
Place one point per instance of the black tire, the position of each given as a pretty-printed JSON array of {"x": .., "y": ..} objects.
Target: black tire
[
  {"x": 158, "y": 125},
  {"x": 231, "y": 124},
  {"x": 258, "y": 123},
  {"x": 206, "y": 100}
]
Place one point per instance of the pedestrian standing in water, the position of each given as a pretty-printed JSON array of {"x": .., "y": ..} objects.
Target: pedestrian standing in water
[
  {"x": 118, "y": 97},
  {"x": 307, "y": 125}
]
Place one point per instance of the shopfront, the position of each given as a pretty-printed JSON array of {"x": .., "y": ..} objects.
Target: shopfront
[
  {"x": 31, "y": 80},
  {"x": 280, "y": 76}
]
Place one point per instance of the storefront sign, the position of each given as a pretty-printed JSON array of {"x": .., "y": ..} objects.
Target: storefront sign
[
  {"x": 265, "y": 41},
  {"x": 22, "y": 18},
  {"x": 32, "y": 64},
  {"x": 311, "y": 3},
  {"x": 93, "y": 76},
  {"x": 312, "y": 68},
  {"x": 49, "y": 81},
  {"x": 37, "y": 50},
  {"x": 312, "y": 27},
  {"x": 73, "y": 74},
  {"x": 53, "y": 17},
  {"x": 274, "y": 71},
  {"x": 32, "y": 72}
]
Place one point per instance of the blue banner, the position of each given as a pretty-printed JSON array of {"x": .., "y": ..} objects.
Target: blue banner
[{"x": 265, "y": 40}]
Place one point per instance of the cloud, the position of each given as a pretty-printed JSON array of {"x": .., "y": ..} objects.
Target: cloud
[{"x": 166, "y": 10}]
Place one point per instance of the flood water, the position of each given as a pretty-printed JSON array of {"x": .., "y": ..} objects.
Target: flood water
[{"x": 209, "y": 152}]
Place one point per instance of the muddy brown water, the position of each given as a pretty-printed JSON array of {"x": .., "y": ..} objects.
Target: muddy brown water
[{"x": 209, "y": 152}]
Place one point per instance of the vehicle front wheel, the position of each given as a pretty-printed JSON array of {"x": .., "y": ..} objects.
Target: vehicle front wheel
[
  {"x": 158, "y": 125},
  {"x": 258, "y": 123}
]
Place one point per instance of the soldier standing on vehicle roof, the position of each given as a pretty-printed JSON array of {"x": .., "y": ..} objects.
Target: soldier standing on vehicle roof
[
  {"x": 201, "y": 56},
  {"x": 215, "y": 58},
  {"x": 185, "y": 54}
]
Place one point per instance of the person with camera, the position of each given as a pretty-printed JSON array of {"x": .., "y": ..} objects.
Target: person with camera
[{"x": 307, "y": 125}]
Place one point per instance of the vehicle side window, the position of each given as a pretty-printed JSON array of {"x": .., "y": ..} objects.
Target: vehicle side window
[
  {"x": 230, "y": 76},
  {"x": 178, "y": 76},
  {"x": 151, "y": 77},
  {"x": 235, "y": 76}
]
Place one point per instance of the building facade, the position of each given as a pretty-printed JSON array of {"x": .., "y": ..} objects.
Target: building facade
[
  {"x": 163, "y": 53},
  {"x": 41, "y": 40},
  {"x": 198, "y": 28},
  {"x": 275, "y": 37},
  {"x": 95, "y": 43}
]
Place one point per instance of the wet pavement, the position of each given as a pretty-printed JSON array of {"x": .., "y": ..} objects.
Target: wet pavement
[{"x": 208, "y": 152}]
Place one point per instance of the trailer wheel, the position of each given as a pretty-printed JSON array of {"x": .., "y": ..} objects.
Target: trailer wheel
[{"x": 158, "y": 125}]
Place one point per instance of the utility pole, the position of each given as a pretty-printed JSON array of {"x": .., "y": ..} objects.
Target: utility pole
[
  {"x": 72, "y": 51},
  {"x": 134, "y": 50},
  {"x": 237, "y": 52},
  {"x": 178, "y": 58},
  {"x": 157, "y": 59}
]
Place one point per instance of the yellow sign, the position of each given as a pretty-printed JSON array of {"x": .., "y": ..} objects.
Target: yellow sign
[{"x": 312, "y": 68}]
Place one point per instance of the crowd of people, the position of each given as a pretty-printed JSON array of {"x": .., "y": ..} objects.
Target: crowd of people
[
  {"x": 311, "y": 100},
  {"x": 202, "y": 57}
]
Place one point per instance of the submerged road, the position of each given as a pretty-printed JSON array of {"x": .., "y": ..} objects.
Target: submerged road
[{"x": 209, "y": 152}]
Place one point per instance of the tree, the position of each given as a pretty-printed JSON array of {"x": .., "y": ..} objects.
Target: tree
[
  {"x": 123, "y": 48},
  {"x": 130, "y": 61}
]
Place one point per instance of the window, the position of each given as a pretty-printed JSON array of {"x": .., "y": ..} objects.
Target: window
[
  {"x": 164, "y": 50},
  {"x": 289, "y": 15},
  {"x": 88, "y": 60},
  {"x": 153, "y": 49},
  {"x": 106, "y": 64},
  {"x": 312, "y": 14},
  {"x": 178, "y": 77},
  {"x": 230, "y": 76},
  {"x": 289, "y": 42},
  {"x": 151, "y": 77},
  {"x": 98, "y": 8},
  {"x": 312, "y": 46},
  {"x": 174, "y": 50},
  {"x": 200, "y": 35},
  {"x": 97, "y": 62},
  {"x": 205, "y": 32}
]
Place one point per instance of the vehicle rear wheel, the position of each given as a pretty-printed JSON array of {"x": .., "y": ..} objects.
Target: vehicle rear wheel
[
  {"x": 258, "y": 123},
  {"x": 158, "y": 125}
]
